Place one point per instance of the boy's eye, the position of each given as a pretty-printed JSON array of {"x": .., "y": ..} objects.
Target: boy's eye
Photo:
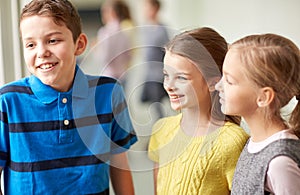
[
  {"x": 53, "y": 40},
  {"x": 29, "y": 45}
]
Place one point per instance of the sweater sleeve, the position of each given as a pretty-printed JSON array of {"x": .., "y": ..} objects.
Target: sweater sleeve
[
  {"x": 154, "y": 143},
  {"x": 163, "y": 132},
  {"x": 234, "y": 140}
]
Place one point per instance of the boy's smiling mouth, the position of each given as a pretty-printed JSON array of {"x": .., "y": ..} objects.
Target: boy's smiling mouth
[{"x": 47, "y": 66}]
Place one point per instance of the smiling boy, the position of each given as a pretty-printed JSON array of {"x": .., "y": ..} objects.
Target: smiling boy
[{"x": 61, "y": 131}]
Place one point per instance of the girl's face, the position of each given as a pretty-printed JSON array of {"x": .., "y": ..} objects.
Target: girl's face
[
  {"x": 238, "y": 94},
  {"x": 49, "y": 51},
  {"x": 184, "y": 83}
]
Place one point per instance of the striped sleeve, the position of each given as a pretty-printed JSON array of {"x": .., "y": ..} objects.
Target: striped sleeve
[
  {"x": 3, "y": 134},
  {"x": 123, "y": 134}
]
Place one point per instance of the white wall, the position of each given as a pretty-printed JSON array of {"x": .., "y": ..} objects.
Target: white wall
[
  {"x": 237, "y": 18},
  {"x": 232, "y": 18},
  {"x": 10, "y": 55}
]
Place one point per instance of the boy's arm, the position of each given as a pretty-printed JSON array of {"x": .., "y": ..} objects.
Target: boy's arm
[
  {"x": 155, "y": 172},
  {"x": 120, "y": 175},
  {"x": 1, "y": 168}
]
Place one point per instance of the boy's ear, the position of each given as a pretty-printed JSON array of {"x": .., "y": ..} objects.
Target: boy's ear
[
  {"x": 265, "y": 97},
  {"x": 81, "y": 44},
  {"x": 212, "y": 83}
]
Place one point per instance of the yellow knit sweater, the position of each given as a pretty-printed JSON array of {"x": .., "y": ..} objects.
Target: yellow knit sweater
[{"x": 195, "y": 165}]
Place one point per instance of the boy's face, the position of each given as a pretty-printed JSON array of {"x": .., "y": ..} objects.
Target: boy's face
[{"x": 49, "y": 51}]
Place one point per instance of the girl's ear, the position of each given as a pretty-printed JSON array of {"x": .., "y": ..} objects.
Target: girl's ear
[
  {"x": 81, "y": 44},
  {"x": 212, "y": 83},
  {"x": 265, "y": 97}
]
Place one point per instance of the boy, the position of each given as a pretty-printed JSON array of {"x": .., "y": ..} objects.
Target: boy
[{"x": 61, "y": 131}]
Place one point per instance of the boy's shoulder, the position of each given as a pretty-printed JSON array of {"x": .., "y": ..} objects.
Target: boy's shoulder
[
  {"x": 100, "y": 80},
  {"x": 20, "y": 82},
  {"x": 21, "y": 85}
]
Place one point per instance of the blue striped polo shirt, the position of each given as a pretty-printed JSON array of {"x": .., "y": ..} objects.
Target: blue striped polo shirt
[{"x": 60, "y": 142}]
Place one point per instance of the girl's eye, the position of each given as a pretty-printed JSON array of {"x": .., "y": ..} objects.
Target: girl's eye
[
  {"x": 181, "y": 78},
  {"x": 165, "y": 75},
  {"x": 227, "y": 81}
]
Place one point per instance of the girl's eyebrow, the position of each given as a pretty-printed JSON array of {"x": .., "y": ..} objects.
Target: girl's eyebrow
[
  {"x": 183, "y": 73},
  {"x": 225, "y": 73},
  {"x": 179, "y": 73}
]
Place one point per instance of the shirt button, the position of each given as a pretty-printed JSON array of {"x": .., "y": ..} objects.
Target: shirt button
[
  {"x": 64, "y": 100},
  {"x": 66, "y": 122}
]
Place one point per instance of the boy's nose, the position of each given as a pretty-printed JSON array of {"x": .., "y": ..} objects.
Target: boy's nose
[{"x": 43, "y": 52}]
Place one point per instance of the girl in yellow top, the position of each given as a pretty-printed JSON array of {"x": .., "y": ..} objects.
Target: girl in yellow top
[{"x": 196, "y": 151}]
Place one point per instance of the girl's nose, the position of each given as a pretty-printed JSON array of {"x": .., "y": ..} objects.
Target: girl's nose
[
  {"x": 169, "y": 84},
  {"x": 219, "y": 85}
]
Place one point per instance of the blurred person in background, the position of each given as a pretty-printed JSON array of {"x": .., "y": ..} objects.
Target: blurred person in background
[
  {"x": 113, "y": 42},
  {"x": 154, "y": 37}
]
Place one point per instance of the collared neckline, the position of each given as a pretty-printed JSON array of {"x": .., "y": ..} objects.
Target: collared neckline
[
  {"x": 81, "y": 85},
  {"x": 46, "y": 94}
]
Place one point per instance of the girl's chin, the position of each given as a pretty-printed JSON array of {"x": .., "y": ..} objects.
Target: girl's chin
[
  {"x": 223, "y": 109},
  {"x": 176, "y": 107}
]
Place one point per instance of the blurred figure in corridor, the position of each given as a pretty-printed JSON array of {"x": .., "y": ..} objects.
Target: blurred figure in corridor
[
  {"x": 113, "y": 43},
  {"x": 154, "y": 36}
]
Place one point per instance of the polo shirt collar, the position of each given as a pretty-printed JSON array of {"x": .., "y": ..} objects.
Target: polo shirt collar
[
  {"x": 81, "y": 84},
  {"x": 47, "y": 94}
]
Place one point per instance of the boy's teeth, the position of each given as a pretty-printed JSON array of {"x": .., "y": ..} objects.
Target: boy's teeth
[{"x": 46, "y": 66}]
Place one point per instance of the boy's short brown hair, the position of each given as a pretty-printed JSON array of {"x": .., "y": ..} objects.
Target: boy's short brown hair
[{"x": 62, "y": 12}]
